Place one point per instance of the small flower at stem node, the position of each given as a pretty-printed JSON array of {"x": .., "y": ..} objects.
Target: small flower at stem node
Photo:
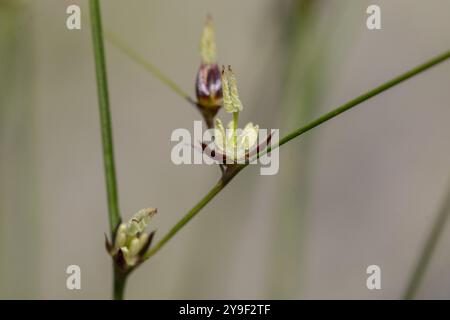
[{"x": 131, "y": 239}]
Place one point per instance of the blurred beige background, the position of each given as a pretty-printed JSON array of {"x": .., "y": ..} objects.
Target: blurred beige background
[{"x": 361, "y": 189}]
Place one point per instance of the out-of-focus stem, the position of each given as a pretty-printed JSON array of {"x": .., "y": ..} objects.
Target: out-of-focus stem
[
  {"x": 428, "y": 249},
  {"x": 136, "y": 57}
]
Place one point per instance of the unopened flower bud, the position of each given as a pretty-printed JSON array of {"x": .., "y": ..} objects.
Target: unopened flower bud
[
  {"x": 127, "y": 256},
  {"x": 143, "y": 240},
  {"x": 134, "y": 247},
  {"x": 208, "y": 87},
  {"x": 121, "y": 236}
]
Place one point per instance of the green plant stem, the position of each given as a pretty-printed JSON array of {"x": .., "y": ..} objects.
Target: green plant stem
[
  {"x": 136, "y": 57},
  {"x": 366, "y": 96},
  {"x": 428, "y": 249},
  {"x": 105, "y": 115},
  {"x": 347, "y": 106},
  {"x": 106, "y": 129},
  {"x": 120, "y": 281},
  {"x": 211, "y": 194}
]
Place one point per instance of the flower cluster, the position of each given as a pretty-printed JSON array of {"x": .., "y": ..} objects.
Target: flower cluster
[
  {"x": 215, "y": 89},
  {"x": 233, "y": 144},
  {"x": 131, "y": 241}
]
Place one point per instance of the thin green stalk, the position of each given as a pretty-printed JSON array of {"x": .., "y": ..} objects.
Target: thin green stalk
[
  {"x": 347, "y": 106},
  {"x": 366, "y": 96},
  {"x": 107, "y": 140},
  {"x": 235, "y": 121},
  {"x": 428, "y": 249},
  {"x": 136, "y": 57},
  {"x": 120, "y": 281},
  {"x": 105, "y": 116},
  {"x": 180, "y": 224}
]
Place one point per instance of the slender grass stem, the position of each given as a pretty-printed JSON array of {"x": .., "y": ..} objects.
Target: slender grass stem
[
  {"x": 228, "y": 176},
  {"x": 119, "y": 283},
  {"x": 366, "y": 96},
  {"x": 105, "y": 115},
  {"x": 106, "y": 129},
  {"x": 428, "y": 249},
  {"x": 180, "y": 224},
  {"x": 136, "y": 57}
]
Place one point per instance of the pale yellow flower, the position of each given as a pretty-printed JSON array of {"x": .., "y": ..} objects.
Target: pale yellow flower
[
  {"x": 131, "y": 237},
  {"x": 235, "y": 144}
]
